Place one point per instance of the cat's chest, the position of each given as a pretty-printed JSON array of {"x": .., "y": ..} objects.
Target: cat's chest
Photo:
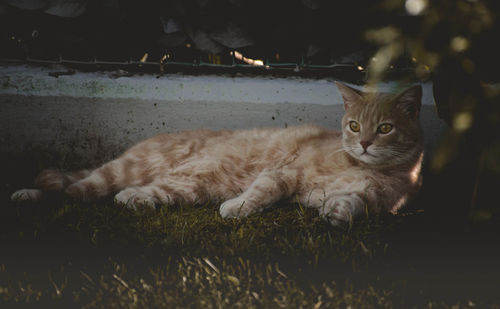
[{"x": 340, "y": 172}]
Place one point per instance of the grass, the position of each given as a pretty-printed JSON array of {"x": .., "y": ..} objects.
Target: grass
[{"x": 65, "y": 254}]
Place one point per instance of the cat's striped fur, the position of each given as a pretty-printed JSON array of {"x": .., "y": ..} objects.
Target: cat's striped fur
[{"x": 342, "y": 174}]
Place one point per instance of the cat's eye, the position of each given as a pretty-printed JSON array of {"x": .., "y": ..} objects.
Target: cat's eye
[
  {"x": 385, "y": 128},
  {"x": 355, "y": 127}
]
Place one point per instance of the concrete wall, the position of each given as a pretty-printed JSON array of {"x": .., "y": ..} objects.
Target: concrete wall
[{"x": 96, "y": 116}]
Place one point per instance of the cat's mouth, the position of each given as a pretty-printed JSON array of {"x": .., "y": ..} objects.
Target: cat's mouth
[
  {"x": 367, "y": 157},
  {"x": 366, "y": 153}
]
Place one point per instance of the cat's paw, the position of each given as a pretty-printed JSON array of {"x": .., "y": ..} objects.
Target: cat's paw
[
  {"x": 235, "y": 208},
  {"x": 340, "y": 211},
  {"x": 26, "y": 195},
  {"x": 133, "y": 199}
]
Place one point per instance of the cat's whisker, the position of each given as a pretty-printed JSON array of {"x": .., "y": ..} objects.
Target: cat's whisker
[{"x": 337, "y": 151}]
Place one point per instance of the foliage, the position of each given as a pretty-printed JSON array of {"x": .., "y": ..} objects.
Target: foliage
[{"x": 450, "y": 43}]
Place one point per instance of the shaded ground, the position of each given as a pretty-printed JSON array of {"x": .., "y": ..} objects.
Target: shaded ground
[{"x": 61, "y": 254}]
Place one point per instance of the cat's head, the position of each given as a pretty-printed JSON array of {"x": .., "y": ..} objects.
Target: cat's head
[{"x": 381, "y": 128}]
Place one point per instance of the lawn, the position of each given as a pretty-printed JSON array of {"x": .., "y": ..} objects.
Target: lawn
[{"x": 65, "y": 254}]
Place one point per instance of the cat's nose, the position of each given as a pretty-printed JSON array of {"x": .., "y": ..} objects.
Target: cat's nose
[{"x": 365, "y": 144}]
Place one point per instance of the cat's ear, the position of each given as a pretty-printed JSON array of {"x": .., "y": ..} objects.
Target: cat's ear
[
  {"x": 410, "y": 101},
  {"x": 350, "y": 95}
]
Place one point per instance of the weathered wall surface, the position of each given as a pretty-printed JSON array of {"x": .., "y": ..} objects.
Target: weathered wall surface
[{"x": 95, "y": 117}]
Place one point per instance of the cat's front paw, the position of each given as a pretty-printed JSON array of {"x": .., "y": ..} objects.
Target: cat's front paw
[
  {"x": 235, "y": 208},
  {"x": 26, "y": 195},
  {"x": 340, "y": 211},
  {"x": 134, "y": 199}
]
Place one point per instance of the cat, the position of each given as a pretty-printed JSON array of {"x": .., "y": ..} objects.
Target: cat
[{"x": 373, "y": 165}]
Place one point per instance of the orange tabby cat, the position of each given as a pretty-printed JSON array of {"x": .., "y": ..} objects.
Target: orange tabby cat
[{"x": 372, "y": 165}]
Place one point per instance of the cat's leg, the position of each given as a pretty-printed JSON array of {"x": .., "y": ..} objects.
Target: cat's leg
[
  {"x": 269, "y": 187},
  {"x": 49, "y": 181},
  {"x": 54, "y": 180},
  {"x": 108, "y": 178},
  {"x": 166, "y": 191}
]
